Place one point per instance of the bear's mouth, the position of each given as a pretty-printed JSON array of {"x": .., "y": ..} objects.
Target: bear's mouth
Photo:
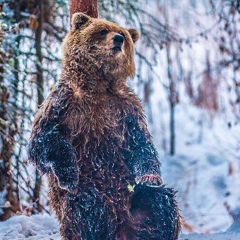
[{"x": 117, "y": 49}]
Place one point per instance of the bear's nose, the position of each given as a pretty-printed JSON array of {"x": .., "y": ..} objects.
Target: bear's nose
[{"x": 118, "y": 39}]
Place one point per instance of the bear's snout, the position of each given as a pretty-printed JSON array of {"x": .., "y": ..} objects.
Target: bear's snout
[{"x": 118, "y": 40}]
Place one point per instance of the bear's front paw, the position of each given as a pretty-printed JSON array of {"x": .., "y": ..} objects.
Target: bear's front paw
[
  {"x": 68, "y": 177},
  {"x": 151, "y": 180}
]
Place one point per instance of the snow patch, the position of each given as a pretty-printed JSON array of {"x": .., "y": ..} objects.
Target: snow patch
[
  {"x": 46, "y": 227},
  {"x": 22, "y": 227}
]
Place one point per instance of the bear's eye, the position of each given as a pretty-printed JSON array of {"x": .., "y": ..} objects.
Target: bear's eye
[{"x": 104, "y": 32}]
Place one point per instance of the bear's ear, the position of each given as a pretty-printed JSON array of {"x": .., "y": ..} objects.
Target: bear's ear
[
  {"x": 79, "y": 20},
  {"x": 134, "y": 34}
]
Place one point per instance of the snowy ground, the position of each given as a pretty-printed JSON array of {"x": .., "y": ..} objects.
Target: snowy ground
[{"x": 45, "y": 227}]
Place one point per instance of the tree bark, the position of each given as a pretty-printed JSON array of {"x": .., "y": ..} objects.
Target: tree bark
[
  {"x": 172, "y": 128},
  {"x": 40, "y": 81},
  {"x": 88, "y": 7},
  {"x": 7, "y": 133},
  {"x": 172, "y": 93},
  {"x": 6, "y": 145},
  {"x": 172, "y": 101},
  {"x": 15, "y": 83}
]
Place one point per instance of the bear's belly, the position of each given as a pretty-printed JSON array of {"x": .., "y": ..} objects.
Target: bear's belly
[{"x": 103, "y": 165}]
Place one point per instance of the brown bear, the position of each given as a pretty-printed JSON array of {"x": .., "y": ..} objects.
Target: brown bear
[{"x": 91, "y": 139}]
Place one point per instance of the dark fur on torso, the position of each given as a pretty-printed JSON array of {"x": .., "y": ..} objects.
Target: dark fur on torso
[{"x": 102, "y": 128}]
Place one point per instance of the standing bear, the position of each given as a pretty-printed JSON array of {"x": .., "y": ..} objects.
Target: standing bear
[{"x": 90, "y": 138}]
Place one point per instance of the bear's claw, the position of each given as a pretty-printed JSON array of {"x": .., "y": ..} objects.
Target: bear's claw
[{"x": 151, "y": 180}]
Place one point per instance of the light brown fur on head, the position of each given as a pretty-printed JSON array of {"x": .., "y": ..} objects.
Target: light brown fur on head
[{"x": 89, "y": 45}]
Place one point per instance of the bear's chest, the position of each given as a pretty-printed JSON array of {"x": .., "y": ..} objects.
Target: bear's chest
[
  {"x": 99, "y": 132},
  {"x": 98, "y": 118}
]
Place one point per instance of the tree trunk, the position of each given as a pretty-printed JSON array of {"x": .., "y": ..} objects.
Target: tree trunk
[
  {"x": 6, "y": 146},
  {"x": 6, "y": 143},
  {"x": 172, "y": 93},
  {"x": 40, "y": 80},
  {"x": 172, "y": 101},
  {"x": 16, "y": 71},
  {"x": 86, "y": 6},
  {"x": 172, "y": 128}
]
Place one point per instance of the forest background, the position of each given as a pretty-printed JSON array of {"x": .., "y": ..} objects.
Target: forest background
[{"x": 187, "y": 75}]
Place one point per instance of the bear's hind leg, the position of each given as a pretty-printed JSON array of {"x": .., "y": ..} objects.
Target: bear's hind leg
[
  {"x": 156, "y": 211},
  {"x": 88, "y": 215}
]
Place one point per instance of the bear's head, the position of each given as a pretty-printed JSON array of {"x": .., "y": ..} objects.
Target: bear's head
[{"x": 100, "y": 46}]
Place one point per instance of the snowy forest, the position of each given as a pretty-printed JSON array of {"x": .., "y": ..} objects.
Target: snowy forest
[{"x": 187, "y": 77}]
